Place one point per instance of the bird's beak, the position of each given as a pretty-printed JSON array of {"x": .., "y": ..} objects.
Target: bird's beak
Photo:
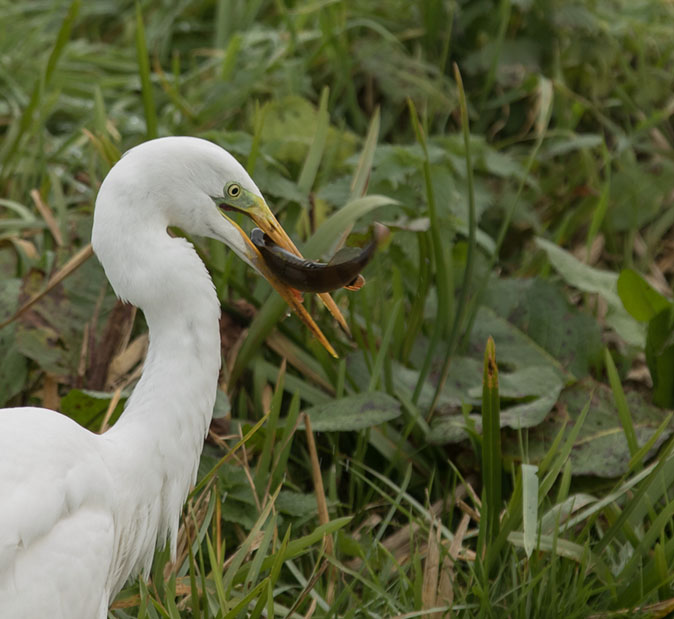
[{"x": 261, "y": 214}]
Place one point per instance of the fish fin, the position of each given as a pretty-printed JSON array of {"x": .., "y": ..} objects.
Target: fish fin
[
  {"x": 345, "y": 254},
  {"x": 356, "y": 284}
]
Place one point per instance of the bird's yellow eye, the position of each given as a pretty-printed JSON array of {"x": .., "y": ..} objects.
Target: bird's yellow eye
[{"x": 234, "y": 190}]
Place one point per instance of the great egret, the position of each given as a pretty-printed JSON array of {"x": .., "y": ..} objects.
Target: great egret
[{"x": 80, "y": 513}]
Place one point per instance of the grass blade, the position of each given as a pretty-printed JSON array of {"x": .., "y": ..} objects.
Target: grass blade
[
  {"x": 563, "y": 453},
  {"x": 529, "y": 506},
  {"x": 438, "y": 246},
  {"x": 145, "y": 79},
  {"x": 297, "y": 546},
  {"x": 62, "y": 38},
  {"x": 364, "y": 167},
  {"x": 262, "y": 471},
  {"x": 637, "y": 459},
  {"x": 27, "y": 117},
  {"x": 244, "y": 548},
  {"x": 470, "y": 254},
  {"x": 246, "y": 600},
  {"x": 491, "y": 449},
  {"x": 621, "y": 404},
  {"x": 631, "y": 505},
  {"x": 384, "y": 347},
  {"x": 315, "y": 153}
]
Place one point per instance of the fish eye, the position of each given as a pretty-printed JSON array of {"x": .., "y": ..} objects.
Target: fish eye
[{"x": 234, "y": 190}]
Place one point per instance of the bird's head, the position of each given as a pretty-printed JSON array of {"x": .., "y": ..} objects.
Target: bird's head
[{"x": 195, "y": 185}]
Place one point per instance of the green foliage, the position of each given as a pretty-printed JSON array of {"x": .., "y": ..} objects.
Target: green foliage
[
  {"x": 660, "y": 356},
  {"x": 601, "y": 448},
  {"x": 491, "y": 455},
  {"x": 638, "y": 297},
  {"x": 356, "y": 412},
  {"x": 647, "y": 305},
  {"x": 13, "y": 367},
  {"x": 526, "y": 195}
]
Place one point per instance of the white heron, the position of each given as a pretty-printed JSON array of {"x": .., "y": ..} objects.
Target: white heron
[{"x": 80, "y": 513}]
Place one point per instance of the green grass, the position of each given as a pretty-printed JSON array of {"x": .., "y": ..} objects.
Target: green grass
[{"x": 527, "y": 193}]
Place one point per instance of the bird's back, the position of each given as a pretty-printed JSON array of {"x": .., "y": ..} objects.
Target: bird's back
[{"x": 56, "y": 524}]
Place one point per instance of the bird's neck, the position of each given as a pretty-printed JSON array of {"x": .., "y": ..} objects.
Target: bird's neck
[{"x": 162, "y": 429}]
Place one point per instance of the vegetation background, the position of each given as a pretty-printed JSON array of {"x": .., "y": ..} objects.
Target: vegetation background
[{"x": 532, "y": 204}]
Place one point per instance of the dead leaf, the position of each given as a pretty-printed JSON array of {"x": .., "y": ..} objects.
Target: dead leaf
[
  {"x": 127, "y": 360},
  {"x": 48, "y": 216},
  {"x": 50, "y": 393},
  {"x": 76, "y": 261},
  {"x": 429, "y": 586},
  {"x": 112, "y": 344}
]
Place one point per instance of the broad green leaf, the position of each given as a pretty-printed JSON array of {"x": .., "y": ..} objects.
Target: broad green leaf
[
  {"x": 541, "y": 310},
  {"x": 527, "y": 381},
  {"x": 530, "y": 413},
  {"x": 636, "y": 194},
  {"x": 604, "y": 283},
  {"x": 531, "y": 377},
  {"x": 641, "y": 300},
  {"x": 517, "y": 348},
  {"x": 354, "y": 412},
  {"x": 395, "y": 164},
  {"x": 296, "y": 503},
  {"x": 44, "y": 346},
  {"x": 238, "y": 513},
  {"x": 462, "y": 385},
  {"x": 88, "y": 408},
  {"x": 580, "y": 275},
  {"x": 600, "y": 448},
  {"x": 660, "y": 356}
]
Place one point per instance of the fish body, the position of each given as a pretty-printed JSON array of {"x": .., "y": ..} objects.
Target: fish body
[{"x": 343, "y": 271}]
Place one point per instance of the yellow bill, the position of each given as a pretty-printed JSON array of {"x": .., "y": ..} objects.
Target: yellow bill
[
  {"x": 265, "y": 220},
  {"x": 238, "y": 199}
]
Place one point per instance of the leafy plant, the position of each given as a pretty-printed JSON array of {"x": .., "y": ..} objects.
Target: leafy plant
[{"x": 527, "y": 194}]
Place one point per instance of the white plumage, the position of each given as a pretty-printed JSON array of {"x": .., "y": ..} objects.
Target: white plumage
[{"x": 80, "y": 513}]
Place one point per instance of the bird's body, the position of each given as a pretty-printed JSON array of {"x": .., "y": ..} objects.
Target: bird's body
[
  {"x": 45, "y": 513},
  {"x": 79, "y": 512}
]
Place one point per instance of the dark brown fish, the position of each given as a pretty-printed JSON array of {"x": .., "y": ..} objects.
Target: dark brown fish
[{"x": 343, "y": 271}]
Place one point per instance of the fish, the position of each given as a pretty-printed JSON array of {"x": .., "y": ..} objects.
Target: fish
[{"x": 343, "y": 270}]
